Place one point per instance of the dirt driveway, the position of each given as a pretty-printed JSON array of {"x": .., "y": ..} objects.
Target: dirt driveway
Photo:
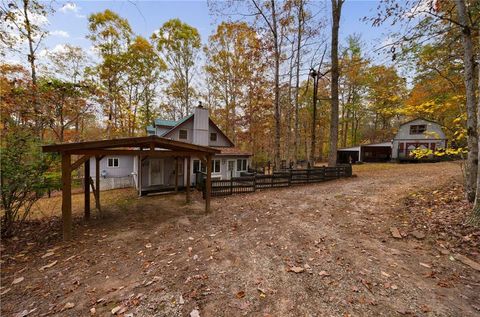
[{"x": 316, "y": 250}]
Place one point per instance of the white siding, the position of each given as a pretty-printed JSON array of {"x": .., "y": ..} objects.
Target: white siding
[
  {"x": 125, "y": 166},
  {"x": 175, "y": 135},
  {"x": 432, "y": 137},
  {"x": 221, "y": 140}
]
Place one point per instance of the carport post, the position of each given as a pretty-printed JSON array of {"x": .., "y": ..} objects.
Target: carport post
[
  {"x": 66, "y": 197},
  {"x": 97, "y": 181},
  {"x": 188, "y": 180},
  {"x": 87, "y": 188},
  {"x": 176, "y": 174},
  {"x": 208, "y": 184}
]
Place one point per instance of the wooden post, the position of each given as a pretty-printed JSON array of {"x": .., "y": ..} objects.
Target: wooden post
[
  {"x": 208, "y": 184},
  {"x": 188, "y": 180},
  {"x": 87, "y": 189},
  {"x": 97, "y": 182},
  {"x": 140, "y": 162},
  {"x": 66, "y": 197},
  {"x": 176, "y": 174}
]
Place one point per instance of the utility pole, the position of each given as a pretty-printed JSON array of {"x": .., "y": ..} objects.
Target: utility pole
[{"x": 314, "y": 75}]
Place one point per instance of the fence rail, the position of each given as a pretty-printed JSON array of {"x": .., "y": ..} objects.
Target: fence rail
[{"x": 249, "y": 184}]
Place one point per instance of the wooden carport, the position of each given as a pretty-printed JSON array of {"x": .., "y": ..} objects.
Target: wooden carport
[{"x": 142, "y": 147}]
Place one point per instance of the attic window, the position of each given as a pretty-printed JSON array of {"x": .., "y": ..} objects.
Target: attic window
[
  {"x": 183, "y": 134},
  {"x": 213, "y": 136},
  {"x": 418, "y": 129}
]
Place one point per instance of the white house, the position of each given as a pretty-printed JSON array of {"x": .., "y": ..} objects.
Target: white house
[
  {"x": 417, "y": 134},
  {"x": 159, "y": 173}
]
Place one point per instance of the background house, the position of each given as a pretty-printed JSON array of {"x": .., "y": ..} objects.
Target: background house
[
  {"x": 417, "y": 134},
  {"x": 159, "y": 173}
]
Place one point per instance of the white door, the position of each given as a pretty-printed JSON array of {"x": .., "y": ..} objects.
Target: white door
[
  {"x": 230, "y": 168},
  {"x": 156, "y": 172}
]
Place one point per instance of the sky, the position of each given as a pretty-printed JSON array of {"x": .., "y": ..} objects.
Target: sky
[{"x": 69, "y": 24}]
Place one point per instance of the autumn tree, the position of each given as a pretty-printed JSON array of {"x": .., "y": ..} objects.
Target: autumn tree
[
  {"x": 110, "y": 35},
  {"x": 24, "y": 22},
  {"x": 179, "y": 44}
]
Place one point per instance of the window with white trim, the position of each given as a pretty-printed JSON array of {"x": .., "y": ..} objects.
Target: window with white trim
[
  {"x": 215, "y": 166},
  {"x": 113, "y": 162},
  {"x": 198, "y": 166},
  {"x": 241, "y": 165}
]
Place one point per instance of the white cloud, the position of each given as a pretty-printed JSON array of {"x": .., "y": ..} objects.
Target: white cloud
[
  {"x": 60, "y": 33},
  {"x": 59, "y": 48},
  {"x": 69, "y": 7}
]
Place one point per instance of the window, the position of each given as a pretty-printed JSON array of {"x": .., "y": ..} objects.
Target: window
[
  {"x": 198, "y": 166},
  {"x": 213, "y": 136},
  {"x": 418, "y": 129},
  {"x": 112, "y": 162},
  {"x": 231, "y": 165},
  {"x": 241, "y": 165},
  {"x": 215, "y": 166},
  {"x": 183, "y": 134}
]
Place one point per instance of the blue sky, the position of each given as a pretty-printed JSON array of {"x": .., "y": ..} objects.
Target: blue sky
[{"x": 69, "y": 23}]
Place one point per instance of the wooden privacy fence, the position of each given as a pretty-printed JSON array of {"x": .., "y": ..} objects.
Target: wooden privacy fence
[{"x": 249, "y": 184}]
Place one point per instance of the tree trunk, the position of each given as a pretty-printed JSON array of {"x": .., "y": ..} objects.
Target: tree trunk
[
  {"x": 297, "y": 81},
  {"x": 476, "y": 208},
  {"x": 336, "y": 13},
  {"x": 277, "y": 86},
  {"x": 472, "y": 134}
]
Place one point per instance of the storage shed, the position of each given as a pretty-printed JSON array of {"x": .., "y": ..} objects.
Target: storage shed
[{"x": 377, "y": 152}]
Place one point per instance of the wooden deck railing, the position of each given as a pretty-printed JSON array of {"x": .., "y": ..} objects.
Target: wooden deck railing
[{"x": 249, "y": 184}]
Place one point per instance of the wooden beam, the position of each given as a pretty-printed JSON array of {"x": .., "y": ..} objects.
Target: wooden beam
[
  {"x": 79, "y": 162},
  {"x": 97, "y": 182},
  {"x": 143, "y": 153},
  {"x": 66, "y": 197},
  {"x": 208, "y": 184},
  {"x": 130, "y": 142},
  {"x": 87, "y": 189},
  {"x": 188, "y": 180},
  {"x": 176, "y": 174}
]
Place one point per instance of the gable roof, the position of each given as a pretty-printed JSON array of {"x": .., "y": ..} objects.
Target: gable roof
[
  {"x": 419, "y": 118},
  {"x": 180, "y": 122},
  {"x": 168, "y": 123}
]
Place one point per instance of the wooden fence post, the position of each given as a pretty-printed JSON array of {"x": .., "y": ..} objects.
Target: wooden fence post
[
  {"x": 231, "y": 185},
  {"x": 86, "y": 186}
]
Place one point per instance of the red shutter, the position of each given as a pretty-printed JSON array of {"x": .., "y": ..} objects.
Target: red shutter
[
  {"x": 432, "y": 147},
  {"x": 401, "y": 144}
]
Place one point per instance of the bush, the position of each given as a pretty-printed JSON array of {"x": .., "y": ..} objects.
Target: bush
[{"x": 22, "y": 180}]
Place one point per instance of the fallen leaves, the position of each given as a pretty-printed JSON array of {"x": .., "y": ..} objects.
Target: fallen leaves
[
  {"x": 68, "y": 305},
  {"x": 240, "y": 294},
  {"x": 18, "y": 280},
  {"x": 49, "y": 265},
  {"x": 296, "y": 269},
  {"x": 474, "y": 265},
  {"x": 395, "y": 233}
]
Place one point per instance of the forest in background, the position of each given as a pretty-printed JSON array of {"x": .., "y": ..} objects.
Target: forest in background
[{"x": 274, "y": 75}]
